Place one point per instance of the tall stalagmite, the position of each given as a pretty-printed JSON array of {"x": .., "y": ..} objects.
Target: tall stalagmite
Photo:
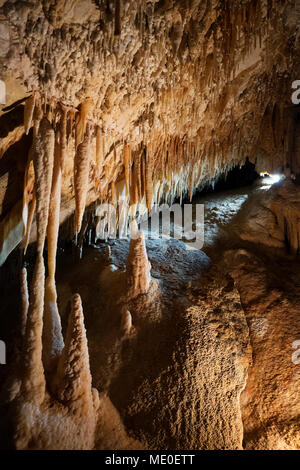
[{"x": 138, "y": 267}]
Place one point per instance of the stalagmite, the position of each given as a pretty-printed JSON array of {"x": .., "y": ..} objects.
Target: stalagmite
[
  {"x": 73, "y": 372},
  {"x": 108, "y": 259},
  {"x": 24, "y": 301},
  {"x": 138, "y": 267},
  {"x": 33, "y": 380},
  {"x": 81, "y": 178}
]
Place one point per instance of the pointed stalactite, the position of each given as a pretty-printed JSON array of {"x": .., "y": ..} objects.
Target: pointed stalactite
[
  {"x": 133, "y": 186},
  {"x": 54, "y": 210},
  {"x": 113, "y": 193},
  {"x": 191, "y": 184},
  {"x": 31, "y": 212},
  {"x": 43, "y": 159},
  {"x": 99, "y": 151},
  {"x": 28, "y": 113},
  {"x": 127, "y": 165},
  {"x": 149, "y": 183},
  {"x": 81, "y": 121},
  {"x": 81, "y": 177},
  {"x": 28, "y": 196},
  {"x": 138, "y": 176},
  {"x": 63, "y": 137},
  {"x": 143, "y": 173}
]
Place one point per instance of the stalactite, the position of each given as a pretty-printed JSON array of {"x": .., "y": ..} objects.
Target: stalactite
[
  {"x": 43, "y": 159},
  {"x": 31, "y": 212},
  {"x": 138, "y": 176},
  {"x": 149, "y": 183},
  {"x": 81, "y": 177},
  {"x": 81, "y": 120},
  {"x": 127, "y": 165},
  {"x": 28, "y": 195},
  {"x": 133, "y": 186},
  {"x": 24, "y": 301},
  {"x": 54, "y": 209},
  {"x": 28, "y": 113},
  {"x": 143, "y": 173},
  {"x": 113, "y": 192},
  {"x": 99, "y": 150},
  {"x": 63, "y": 137}
]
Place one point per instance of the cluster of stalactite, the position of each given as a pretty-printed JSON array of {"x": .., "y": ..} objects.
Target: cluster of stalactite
[
  {"x": 52, "y": 377},
  {"x": 163, "y": 116},
  {"x": 238, "y": 27},
  {"x": 141, "y": 173}
]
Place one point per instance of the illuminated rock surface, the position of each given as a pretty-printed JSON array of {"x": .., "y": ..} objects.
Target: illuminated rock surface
[{"x": 148, "y": 343}]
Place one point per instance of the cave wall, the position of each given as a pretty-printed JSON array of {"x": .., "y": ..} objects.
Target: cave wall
[{"x": 144, "y": 100}]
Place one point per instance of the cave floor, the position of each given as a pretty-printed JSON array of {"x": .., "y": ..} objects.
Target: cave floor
[{"x": 208, "y": 363}]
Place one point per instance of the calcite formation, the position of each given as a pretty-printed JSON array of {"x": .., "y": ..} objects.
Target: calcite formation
[
  {"x": 138, "y": 267},
  {"x": 270, "y": 401},
  {"x": 175, "y": 93},
  {"x": 275, "y": 221},
  {"x": 145, "y": 102}
]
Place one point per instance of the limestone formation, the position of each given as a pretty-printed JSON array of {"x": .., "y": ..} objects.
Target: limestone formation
[
  {"x": 108, "y": 108},
  {"x": 275, "y": 221},
  {"x": 126, "y": 322},
  {"x": 138, "y": 267},
  {"x": 270, "y": 401}
]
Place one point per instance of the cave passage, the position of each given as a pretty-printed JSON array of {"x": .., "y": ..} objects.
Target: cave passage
[{"x": 150, "y": 225}]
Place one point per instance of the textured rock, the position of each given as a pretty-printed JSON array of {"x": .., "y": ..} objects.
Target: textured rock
[
  {"x": 145, "y": 101},
  {"x": 275, "y": 220},
  {"x": 196, "y": 371},
  {"x": 270, "y": 401},
  {"x": 138, "y": 267}
]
